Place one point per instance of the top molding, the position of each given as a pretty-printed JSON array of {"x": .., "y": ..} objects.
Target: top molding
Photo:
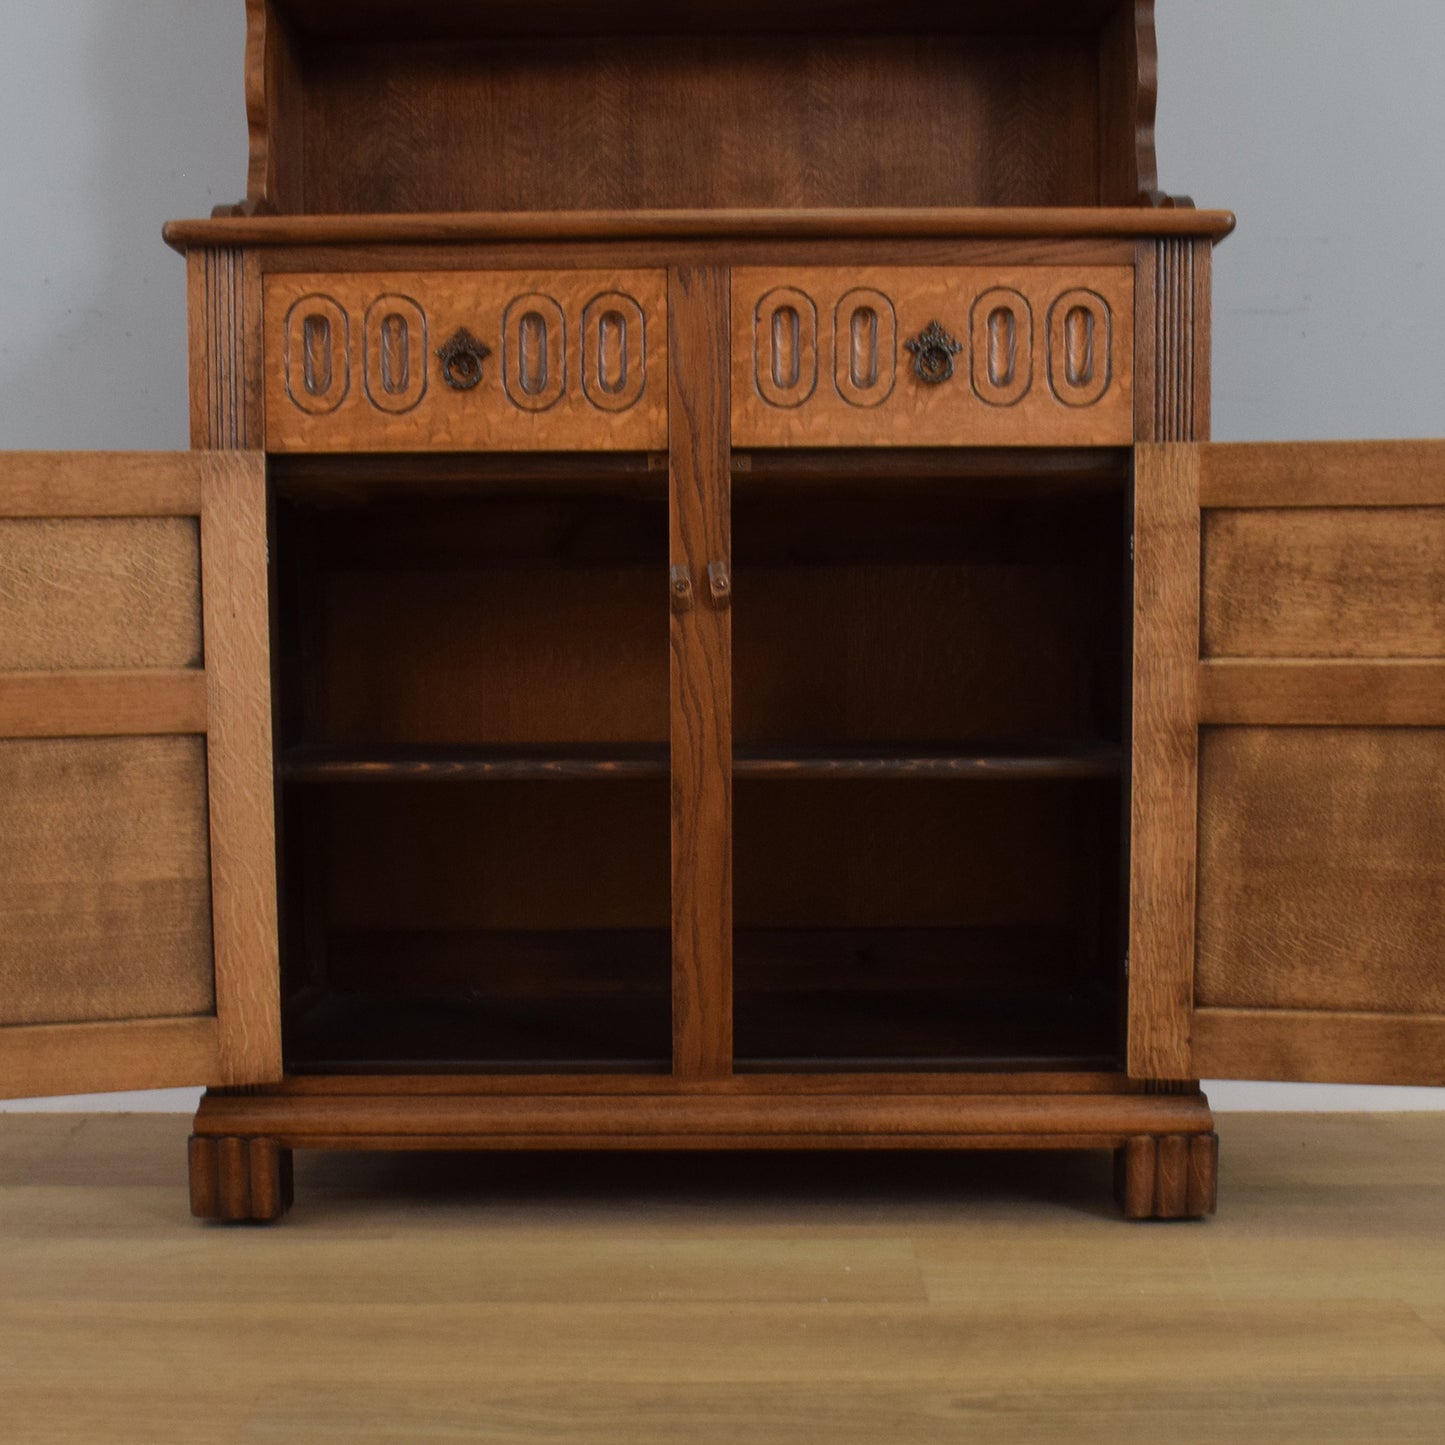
[{"x": 861, "y": 223}]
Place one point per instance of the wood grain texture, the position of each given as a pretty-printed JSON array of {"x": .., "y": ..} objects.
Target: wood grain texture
[
  {"x": 1173, "y": 1176},
  {"x": 1128, "y": 102},
  {"x": 1013, "y": 393},
  {"x": 627, "y": 120},
  {"x": 536, "y": 391},
  {"x": 698, "y": 314},
  {"x": 223, "y": 310},
  {"x": 1165, "y": 732},
  {"x": 711, "y": 1121},
  {"x": 238, "y": 756},
  {"x": 104, "y": 882},
  {"x": 1322, "y": 866},
  {"x": 822, "y": 223},
  {"x": 115, "y": 907},
  {"x": 274, "y": 113},
  {"x": 239, "y": 1180},
  {"x": 102, "y": 704},
  {"x": 1323, "y": 474},
  {"x": 1173, "y": 339},
  {"x": 1389, "y": 692},
  {"x": 83, "y": 593},
  {"x": 99, "y": 484},
  {"x": 1321, "y": 1047},
  {"x": 755, "y": 1300},
  {"x": 44, "y": 1060},
  {"x": 1336, "y": 582}
]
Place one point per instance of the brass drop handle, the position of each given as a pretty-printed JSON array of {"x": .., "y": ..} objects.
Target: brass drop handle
[
  {"x": 679, "y": 586},
  {"x": 719, "y": 584},
  {"x": 462, "y": 359},
  {"x": 933, "y": 352}
]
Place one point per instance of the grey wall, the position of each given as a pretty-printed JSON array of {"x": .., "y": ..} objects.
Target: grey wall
[{"x": 1321, "y": 122}]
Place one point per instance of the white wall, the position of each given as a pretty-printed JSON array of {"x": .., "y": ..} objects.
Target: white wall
[{"x": 1321, "y": 122}]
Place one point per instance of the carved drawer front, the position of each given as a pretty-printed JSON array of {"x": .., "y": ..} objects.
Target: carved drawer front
[
  {"x": 467, "y": 361},
  {"x": 947, "y": 356}
]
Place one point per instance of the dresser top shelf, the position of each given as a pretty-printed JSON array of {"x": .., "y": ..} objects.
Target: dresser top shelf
[
  {"x": 863, "y": 223},
  {"x": 425, "y": 107}
]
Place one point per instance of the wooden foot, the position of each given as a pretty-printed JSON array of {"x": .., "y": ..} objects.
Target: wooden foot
[
  {"x": 239, "y": 1180},
  {"x": 1174, "y": 1176}
]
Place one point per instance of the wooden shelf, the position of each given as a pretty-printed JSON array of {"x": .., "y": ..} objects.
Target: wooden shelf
[
  {"x": 930, "y": 760},
  {"x": 512, "y": 762},
  {"x": 936, "y": 998},
  {"x": 529, "y": 762}
]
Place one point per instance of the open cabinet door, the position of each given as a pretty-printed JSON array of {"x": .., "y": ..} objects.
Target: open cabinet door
[
  {"x": 1288, "y": 889},
  {"x": 138, "y": 944}
]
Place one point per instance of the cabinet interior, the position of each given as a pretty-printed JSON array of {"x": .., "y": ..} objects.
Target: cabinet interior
[{"x": 929, "y": 700}]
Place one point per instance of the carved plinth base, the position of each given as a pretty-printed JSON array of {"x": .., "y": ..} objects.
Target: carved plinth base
[
  {"x": 1162, "y": 1135},
  {"x": 1170, "y": 1176},
  {"x": 239, "y": 1180}
]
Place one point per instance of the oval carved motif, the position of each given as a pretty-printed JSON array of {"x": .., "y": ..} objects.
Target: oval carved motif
[
  {"x": 534, "y": 352},
  {"x": 614, "y": 351},
  {"x": 1080, "y": 347},
  {"x": 396, "y": 353},
  {"x": 318, "y": 354},
  {"x": 1002, "y": 347},
  {"x": 785, "y": 347},
  {"x": 865, "y": 347}
]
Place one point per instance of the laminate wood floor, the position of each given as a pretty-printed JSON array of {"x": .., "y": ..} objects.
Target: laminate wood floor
[{"x": 893, "y": 1301}]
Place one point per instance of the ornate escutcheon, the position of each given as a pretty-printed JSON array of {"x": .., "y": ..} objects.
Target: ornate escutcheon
[
  {"x": 933, "y": 352},
  {"x": 462, "y": 359}
]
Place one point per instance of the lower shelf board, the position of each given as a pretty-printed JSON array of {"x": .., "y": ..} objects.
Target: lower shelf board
[{"x": 538, "y": 762}]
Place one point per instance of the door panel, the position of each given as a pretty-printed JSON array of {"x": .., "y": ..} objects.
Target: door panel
[
  {"x": 1303, "y": 901},
  {"x": 137, "y": 875}
]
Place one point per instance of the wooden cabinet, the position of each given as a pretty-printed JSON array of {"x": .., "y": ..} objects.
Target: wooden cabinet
[{"x": 787, "y": 673}]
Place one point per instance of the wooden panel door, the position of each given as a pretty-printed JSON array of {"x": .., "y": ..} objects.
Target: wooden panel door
[
  {"x": 138, "y": 943},
  {"x": 1288, "y": 888}
]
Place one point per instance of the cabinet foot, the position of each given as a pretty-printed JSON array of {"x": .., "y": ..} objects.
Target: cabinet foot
[
  {"x": 1171, "y": 1176},
  {"x": 239, "y": 1180}
]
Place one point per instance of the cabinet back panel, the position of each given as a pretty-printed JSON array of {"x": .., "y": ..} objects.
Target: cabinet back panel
[
  {"x": 551, "y": 855},
  {"x": 105, "y": 886},
  {"x": 576, "y": 123},
  {"x": 1322, "y": 869},
  {"x": 478, "y": 621},
  {"x": 102, "y": 592},
  {"x": 880, "y": 924},
  {"x": 945, "y": 621},
  {"x": 520, "y": 655},
  {"x": 864, "y": 854}
]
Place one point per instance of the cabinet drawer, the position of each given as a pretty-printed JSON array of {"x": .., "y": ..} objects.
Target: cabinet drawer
[
  {"x": 850, "y": 356},
  {"x": 466, "y": 361}
]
